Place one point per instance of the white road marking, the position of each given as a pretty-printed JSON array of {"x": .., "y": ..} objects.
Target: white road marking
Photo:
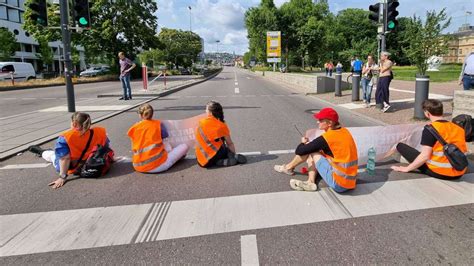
[
  {"x": 205, "y": 96},
  {"x": 236, "y": 83},
  {"x": 249, "y": 250},
  {"x": 281, "y": 152},
  {"x": 249, "y": 78},
  {"x": 251, "y": 153},
  {"x": 25, "y": 166},
  {"x": 30, "y": 233},
  {"x": 237, "y": 90},
  {"x": 87, "y": 108}
]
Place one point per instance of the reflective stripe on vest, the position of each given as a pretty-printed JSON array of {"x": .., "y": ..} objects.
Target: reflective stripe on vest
[
  {"x": 438, "y": 162},
  {"x": 149, "y": 148},
  {"x": 203, "y": 153},
  {"x": 152, "y": 159},
  {"x": 208, "y": 142},
  {"x": 347, "y": 165},
  {"x": 341, "y": 174},
  {"x": 441, "y": 165}
]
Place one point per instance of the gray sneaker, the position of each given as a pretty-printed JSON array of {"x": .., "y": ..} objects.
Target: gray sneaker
[
  {"x": 385, "y": 109},
  {"x": 282, "y": 169},
  {"x": 303, "y": 185}
]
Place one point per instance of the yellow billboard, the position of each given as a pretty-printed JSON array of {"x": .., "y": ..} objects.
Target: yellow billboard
[{"x": 273, "y": 43}]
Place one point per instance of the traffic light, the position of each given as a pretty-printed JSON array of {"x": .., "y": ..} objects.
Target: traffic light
[
  {"x": 375, "y": 12},
  {"x": 392, "y": 14},
  {"x": 39, "y": 12},
  {"x": 81, "y": 13}
]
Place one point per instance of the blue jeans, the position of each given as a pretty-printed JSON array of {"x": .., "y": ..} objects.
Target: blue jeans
[
  {"x": 468, "y": 82},
  {"x": 366, "y": 89},
  {"x": 127, "y": 90},
  {"x": 325, "y": 170}
]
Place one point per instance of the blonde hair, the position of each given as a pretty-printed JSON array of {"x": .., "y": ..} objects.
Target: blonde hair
[
  {"x": 146, "y": 111},
  {"x": 83, "y": 120}
]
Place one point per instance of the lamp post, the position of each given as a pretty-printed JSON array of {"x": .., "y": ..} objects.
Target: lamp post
[
  {"x": 190, "y": 19},
  {"x": 217, "y": 53}
]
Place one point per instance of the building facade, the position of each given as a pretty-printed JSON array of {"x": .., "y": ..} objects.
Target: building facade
[
  {"x": 461, "y": 45},
  {"x": 11, "y": 17}
]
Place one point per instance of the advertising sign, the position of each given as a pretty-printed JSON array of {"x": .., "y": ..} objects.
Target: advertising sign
[{"x": 273, "y": 43}]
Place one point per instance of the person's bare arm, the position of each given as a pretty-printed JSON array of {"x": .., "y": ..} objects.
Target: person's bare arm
[
  {"x": 230, "y": 143},
  {"x": 421, "y": 159},
  {"x": 64, "y": 163}
]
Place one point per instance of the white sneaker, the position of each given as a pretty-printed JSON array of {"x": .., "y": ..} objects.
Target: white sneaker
[
  {"x": 282, "y": 169},
  {"x": 294, "y": 184},
  {"x": 385, "y": 109},
  {"x": 367, "y": 105},
  {"x": 302, "y": 185}
]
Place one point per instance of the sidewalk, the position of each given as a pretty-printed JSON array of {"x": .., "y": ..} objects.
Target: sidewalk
[{"x": 20, "y": 131}]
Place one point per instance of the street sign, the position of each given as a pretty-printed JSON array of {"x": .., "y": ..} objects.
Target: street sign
[
  {"x": 273, "y": 43},
  {"x": 274, "y": 60}
]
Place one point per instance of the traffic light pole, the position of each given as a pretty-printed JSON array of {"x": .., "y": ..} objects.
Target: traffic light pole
[{"x": 71, "y": 105}]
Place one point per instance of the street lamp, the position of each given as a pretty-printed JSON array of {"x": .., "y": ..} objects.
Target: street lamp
[
  {"x": 217, "y": 54},
  {"x": 190, "y": 19}
]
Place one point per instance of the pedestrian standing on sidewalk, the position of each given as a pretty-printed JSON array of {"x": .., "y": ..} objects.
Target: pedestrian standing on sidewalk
[
  {"x": 151, "y": 152},
  {"x": 326, "y": 68},
  {"x": 331, "y": 156},
  {"x": 330, "y": 68},
  {"x": 431, "y": 160},
  {"x": 126, "y": 65},
  {"x": 357, "y": 66},
  {"x": 367, "y": 80},
  {"x": 467, "y": 72},
  {"x": 66, "y": 156},
  {"x": 382, "y": 93},
  {"x": 339, "y": 68}
]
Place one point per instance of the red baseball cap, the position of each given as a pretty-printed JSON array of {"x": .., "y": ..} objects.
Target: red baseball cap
[{"x": 327, "y": 113}]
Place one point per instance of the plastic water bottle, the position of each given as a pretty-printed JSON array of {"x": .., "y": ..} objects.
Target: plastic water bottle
[{"x": 371, "y": 161}]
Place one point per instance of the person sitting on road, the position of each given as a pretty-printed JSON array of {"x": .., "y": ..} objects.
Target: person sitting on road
[
  {"x": 66, "y": 156},
  {"x": 214, "y": 146},
  {"x": 151, "y": 152},
  {"x": 332, "y": 156},
  {"x": 431, "y": 160}
]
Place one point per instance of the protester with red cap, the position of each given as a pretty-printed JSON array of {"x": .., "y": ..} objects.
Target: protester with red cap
[{"x": 332, "y": 156}]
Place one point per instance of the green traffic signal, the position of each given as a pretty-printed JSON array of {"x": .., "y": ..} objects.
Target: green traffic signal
[
  {"x": 83, "y": 21},
  {"x": 391, "y": 25}
]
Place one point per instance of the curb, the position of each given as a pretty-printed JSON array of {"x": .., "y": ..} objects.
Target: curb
[{"x": 10, "y": 153}]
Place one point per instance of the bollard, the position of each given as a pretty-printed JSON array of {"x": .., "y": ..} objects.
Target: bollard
[
  {"x": 422, "y": 88},
  {"x": 338, "y": 84},
  {"x": 13, "y": 78},
  {"x": 355, "y": 86}
]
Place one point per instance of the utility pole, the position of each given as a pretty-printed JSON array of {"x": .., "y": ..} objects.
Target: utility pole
[
  {"x": 71, "y": 106},
  {"x": 190, "y": 19}
]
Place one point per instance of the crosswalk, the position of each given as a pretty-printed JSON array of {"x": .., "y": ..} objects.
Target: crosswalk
[{"x": 30, "y": 233}]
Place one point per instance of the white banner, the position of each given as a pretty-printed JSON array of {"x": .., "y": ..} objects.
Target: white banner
[
  {"x": 182, "y": 131},
  {"x": 383, "y": 138}
]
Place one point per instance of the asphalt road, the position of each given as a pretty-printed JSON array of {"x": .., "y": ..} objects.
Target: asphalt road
[{"x": 261, "y": 116}]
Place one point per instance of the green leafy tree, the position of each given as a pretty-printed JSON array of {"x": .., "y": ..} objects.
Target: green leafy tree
[
  {"x": 259, "y": 20},
  {"x": 45, "y": 53},
  {"x": 426, "y": 40},
  {"x": 8, "y": 44},
  {"x": 155, "y": 56},
  {"x": 396, "y": 42},
  {"x": 181, "y": 48}
]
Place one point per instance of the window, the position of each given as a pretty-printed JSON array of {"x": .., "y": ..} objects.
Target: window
[
  {"x": 460, "y": 51},
  {"x": 3, "y": 12},
  {"x": 8, "y": 69},
  {"x": 13, "y": 15},
  {"x": 13, "y": 3},
  {"x": 28, "y": 48}
]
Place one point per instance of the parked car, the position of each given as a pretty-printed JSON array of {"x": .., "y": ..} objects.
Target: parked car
[
  {"x": 21, "y": 71},
  {"x": 94, "y": 71},
  {"x": 185, "y": 71}
]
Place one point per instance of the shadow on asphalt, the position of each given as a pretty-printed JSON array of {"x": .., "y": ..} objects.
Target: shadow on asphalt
[{"x": 410, "y": 105}]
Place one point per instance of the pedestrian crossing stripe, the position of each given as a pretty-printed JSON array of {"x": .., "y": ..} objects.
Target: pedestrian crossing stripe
[{"x": 31, "y": 233}]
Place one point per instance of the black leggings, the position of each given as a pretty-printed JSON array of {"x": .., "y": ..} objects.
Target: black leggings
[
  {"x": 222, "y": 153},
  {"x": 410, "y": 155}
]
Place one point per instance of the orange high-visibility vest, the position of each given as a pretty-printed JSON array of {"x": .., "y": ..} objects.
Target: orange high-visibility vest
[
  {"x": 344, "y": 162},
  {"x": 147, "y": 145},
  {"x": 452, "y": 134},
  {"x": 77, "y": 142},
  {"x": 208, "y": 138}
]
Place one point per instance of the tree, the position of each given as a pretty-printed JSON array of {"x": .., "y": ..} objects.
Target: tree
[
  {"x": 8, "y": 44},
  {"x": 396, "y": 42},
  {"x": 181, "y": 48},
  {"x": 45, "y": 53},
  {"x": 424, "y": 41},
  {"x": 259, "y": 20},
  {"x": 156, "y": 56},
  {"x": 119, "y": 25}
]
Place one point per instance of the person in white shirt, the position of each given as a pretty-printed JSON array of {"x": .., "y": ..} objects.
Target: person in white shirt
[{"x": 467, "y": 72}]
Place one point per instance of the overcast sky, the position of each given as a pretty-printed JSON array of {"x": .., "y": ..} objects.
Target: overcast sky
[{"x": 223, "y": 20}]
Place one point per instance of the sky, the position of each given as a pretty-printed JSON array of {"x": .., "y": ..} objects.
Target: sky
[{"x": 223, "y": 20}]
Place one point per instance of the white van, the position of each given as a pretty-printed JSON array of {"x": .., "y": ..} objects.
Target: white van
[{"x": 21, "y": 71}]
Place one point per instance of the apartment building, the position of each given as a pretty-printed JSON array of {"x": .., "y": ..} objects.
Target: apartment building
[{"x": 461, "y": 45}]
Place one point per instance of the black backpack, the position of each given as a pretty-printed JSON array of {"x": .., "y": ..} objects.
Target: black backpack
[
  {"x": 466, "y": 122},
  {"x": 455, "y": 156},
  {"x": 98, "y": 163}
]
